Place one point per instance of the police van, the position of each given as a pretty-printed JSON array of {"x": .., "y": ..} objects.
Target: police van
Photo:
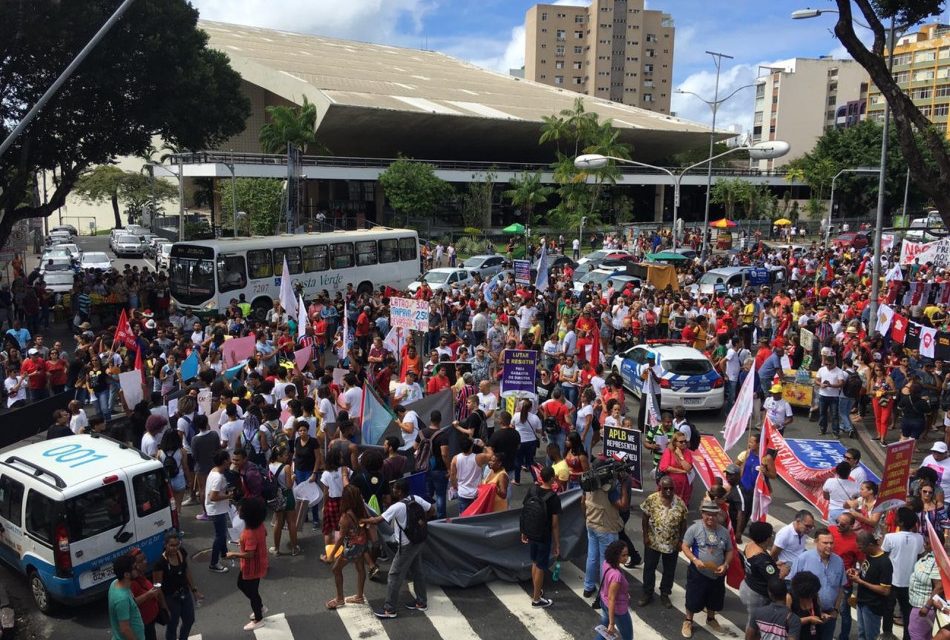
[{"x": 70, "y": 506}]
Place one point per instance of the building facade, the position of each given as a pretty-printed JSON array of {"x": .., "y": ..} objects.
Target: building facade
[
  {"x": 612, "y": 49},
  {"x": 798, "y": 101},
  {"x": 922, "y": 69}
]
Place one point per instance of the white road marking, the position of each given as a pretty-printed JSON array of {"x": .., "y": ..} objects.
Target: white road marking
[
  {"x": 361, "y": 623},
  {"x": 538, "y": 622},
  {"x": 275, "y": 627},
  {"x": 445, "y": 617}
]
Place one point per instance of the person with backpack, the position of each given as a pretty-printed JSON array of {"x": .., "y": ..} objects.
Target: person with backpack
[
  {"x": 175, "y": 462},
  {"x": 602, "y": 509},
  {"x": 184, "y": 422},
  {"x": 252, "y": 481},
  {"x": 409, "y": 517},
  {"x": 540, "y": 530},
  {"x": 281, "y": 473},
  {"x": 850, "y": 393},
  {"x": 433, "y": 457}
]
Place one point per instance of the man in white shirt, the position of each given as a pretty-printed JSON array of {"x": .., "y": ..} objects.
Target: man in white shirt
[
  {"x": 16, "y": 388},
  {"x": 408, "y": 391},
  {"x": 409, "y": 426},
  {"x": 569, "y": 343},
  {"x": 576, "y": 249},
  {"x": 231, "y": 430},
  {"x": 902, "y": 548},
  {"x": 526, "y": 315},
  {"x": 858, "y": 474},
  {"x": 777, "y": 409},
  {"x": 830, "y": 381},
  {"x": 938, "y": 461},
  {"x": 790, "y": 539},
  {"x": 351, "y": 400},
  {"x": 734, "y": 357},
  {"x": 488, "y": 403}
]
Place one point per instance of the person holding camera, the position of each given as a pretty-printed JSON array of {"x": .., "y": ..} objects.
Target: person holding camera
[{"x": 606, "y": 494}]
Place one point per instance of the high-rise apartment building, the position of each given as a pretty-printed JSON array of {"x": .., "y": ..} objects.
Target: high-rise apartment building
[
  {"x": 798, "y": 101},
  {"x": 922, "y": 69},
  {"x": 612, "y": 49}
]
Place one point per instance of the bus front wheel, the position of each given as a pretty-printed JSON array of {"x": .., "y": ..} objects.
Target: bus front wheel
[
  {"x": 365, "y": 288},
  {"x": 260, "y": 307}
]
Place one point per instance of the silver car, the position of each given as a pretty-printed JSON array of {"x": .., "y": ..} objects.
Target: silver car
[
  {"x": 59, "y": 281},
  {"x": 128, "y": 245},
  {"x": 485, "y": 265}
]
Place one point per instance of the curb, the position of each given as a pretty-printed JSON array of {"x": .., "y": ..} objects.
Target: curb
[{"x": 867, "y": 436}]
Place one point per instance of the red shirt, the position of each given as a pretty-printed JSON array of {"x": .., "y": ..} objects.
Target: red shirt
[
  {"x": 362, "y": 325},
  {"x": 437, "y": 383},
  {"x": 39, "y": 380},
  {"x": 57, "y": 372},
  {"x": 255, "y": 541},
  {"x": 320, "y": 332},
  {"x": 149, "y": 608},
  {"x": 846, "y": 546}
]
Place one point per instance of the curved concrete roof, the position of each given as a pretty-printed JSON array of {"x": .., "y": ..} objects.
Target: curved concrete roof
[{"x": 379, "y": 100}]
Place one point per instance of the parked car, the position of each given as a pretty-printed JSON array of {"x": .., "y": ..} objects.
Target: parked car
[
  {"x": 163, "y": 254},
  {"x": 485, "y": 265},
  {"x": 58, "y": 237},
  {"x": 687, "y": 377},
  {"x": 53, "y": 265},
  {"x": 57, "y": 252},
  {"x": 59, "y": 281},
  {"x": 557, "y": 262},
  {"x": 67, "y": 228},
  {"x": 95, "y": 260},
  {"x": 128, "y": 245},
  {"x": 444, "y": 278},
  {"x": 594, "y": 259},
  {"x": 852, "y": 239}
]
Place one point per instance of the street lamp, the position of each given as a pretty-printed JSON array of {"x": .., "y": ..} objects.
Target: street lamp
[
  {"x": 181, "y": 195},
  {"x": 761, "y": 151},
  {"x": 831, "y": 205}
]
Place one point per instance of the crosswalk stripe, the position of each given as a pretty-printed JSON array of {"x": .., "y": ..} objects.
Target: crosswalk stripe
[
  {"x": 197, "y": 636},
  {"x": 538, "y": 622},
  {"x": 275, "y": 627},
  {"x": 445, "y": 617},
  {"x": 360, "y": 622}
]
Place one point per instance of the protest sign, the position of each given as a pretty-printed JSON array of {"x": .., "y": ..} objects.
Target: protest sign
[
  {"x": 408, "y": 313},
  {"x": 302, "y": 357},
  {"x": 626, "y": 443},
  {"x": 519, "y": 369},
  {"x": 522, "y": 270},
  {"x": 237, "y": 349},
  {"x": 710, "y": 460},
  {"x": 893, "y": 491},
  {"x": 131, "y": 384}
]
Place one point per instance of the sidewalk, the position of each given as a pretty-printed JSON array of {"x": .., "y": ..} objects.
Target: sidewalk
[{"x": 867, "y": 436}]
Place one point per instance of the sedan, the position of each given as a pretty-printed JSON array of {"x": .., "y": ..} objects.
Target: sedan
[
  {"x": 687, "y": 378},
  {"x": 95, "y": 260},
  {"x": 444, "y": 278},
  {"x": 485, "y": 265},
  {"x": 57, "y": 264},
  {"x": 852, "y": 239},
  {"x": 59, "y": 281},
  {"x": 127, "y": 245}
]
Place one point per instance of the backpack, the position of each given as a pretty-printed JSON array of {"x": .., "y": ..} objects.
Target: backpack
[
  {"x": 190, "y": 433},
  {"x": 550, "y": 426},
  {"x": 170, "y": 465},
  {"x": 695, "y": 436},
  {"x": 423, "y": 455},
  {"x": 417, "y": 526},
  {"x": 853, "y": 385},
  {"x": 270, "y": 484},
  {"x": 534, "y": 522}
]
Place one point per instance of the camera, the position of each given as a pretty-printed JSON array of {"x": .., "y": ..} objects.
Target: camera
[{"x": 604, "y": 473}]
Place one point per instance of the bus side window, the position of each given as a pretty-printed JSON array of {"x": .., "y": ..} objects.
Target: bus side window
[
  {"x": 408, "y": 248},
  {"x": 259, "y": 264},
  {"x": 365, "y": 253},
  {"x": 342, "y": 255},
  {"x": 388, "y": 251},
  {"x": 315, "y": 258},
  {"x": 231, "y": 273},
  {"x": 293, "y": 259}
]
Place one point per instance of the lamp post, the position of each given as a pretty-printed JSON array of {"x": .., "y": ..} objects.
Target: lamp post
[
  {"x": 714, "y": 105},
  {"x": 181, "y": 195},
  {"x": 831, "y": 205},
  {"x": 234, "y": 211},
  {"x": 761, "y": 151}
]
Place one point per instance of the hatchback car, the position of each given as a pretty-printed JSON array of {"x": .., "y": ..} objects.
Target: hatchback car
[
  {"x": 485, "y": 265},
  {"x": 686, "y": 375},
  {"x": 444, "y": 278}
]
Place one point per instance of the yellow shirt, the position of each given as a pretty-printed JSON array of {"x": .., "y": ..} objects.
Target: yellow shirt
[
  {"x": 930, "y": 310},
  {"x": 748, "y": 313},
  {"x": 699, "y": 342},
  {"x": 562, "y": 472}
]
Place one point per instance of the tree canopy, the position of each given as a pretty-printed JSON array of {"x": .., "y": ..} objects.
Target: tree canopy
[
  {"x": 294, "y": 125},
  {"x": 152, "y": 75},
  {"x": 110, "y": 183},
  {"x": 413, "y": 189},
  {"x": 527, "y": 192}
]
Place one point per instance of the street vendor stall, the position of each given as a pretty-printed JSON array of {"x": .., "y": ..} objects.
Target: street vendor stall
[{"x": 798, "y": 385}]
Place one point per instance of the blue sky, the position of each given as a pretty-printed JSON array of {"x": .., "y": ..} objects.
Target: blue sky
[{"x": 490, "y": 33}]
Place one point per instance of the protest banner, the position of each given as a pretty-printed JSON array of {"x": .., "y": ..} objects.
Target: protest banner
[
  {"x": 409, "y": 313},
  {"x": 710, "y": 460},
  {"x": 519, "y": 371},
  {"x": 741, "y": 412},
  {"x": 132, "y": 388},
  {"x": 522, "y": 270},
  {"x": 893, "y": 490},
  {"x": 937, "y": 252},
  {"x": 627, "y": 444},
  {"x": 302, "y": 357},
  {"x": 237, "y": 349},
  {"x": 204, "y": 402}
]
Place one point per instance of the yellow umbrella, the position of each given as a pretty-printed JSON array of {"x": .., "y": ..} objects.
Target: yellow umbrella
[{"x": 782, "y": 222}]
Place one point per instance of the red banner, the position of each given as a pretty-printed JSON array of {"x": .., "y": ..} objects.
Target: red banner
[
  {"x": 893, "y": 491},
  {"x": 806, "y": 481},
  {"x": 710, "y": 460},
  {"x": 123, "y": 332},
  {"x": 940, "y": 555}
]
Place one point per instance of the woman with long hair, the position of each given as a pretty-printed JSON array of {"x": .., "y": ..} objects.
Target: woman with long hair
[
  {"x": 528, "y": 426},
  {"x": 499, "y": 478},
  {"x": 803, "y": 602},
  {"x": 333, "y": 481},
  {"x": 584, "y": 419},
  {"x": 178, "y": 586},
  {"x": 308, "y": 458},
  {"x": 56, "y": 368},
  {"x": 862, "y": 508},
  {"x": 253, "y": 556},
  {"x": 354, "y": 538},
  {"x": 172, "y": 455},
  {"x": 881, "y": 389},
  {"x": 913, "y": 408},
  {"x": 615, "y": 592},
  {"x": 576, "y": 457},
  {"x": 280, "y": 468}
]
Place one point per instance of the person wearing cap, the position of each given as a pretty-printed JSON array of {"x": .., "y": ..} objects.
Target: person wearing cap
[
  {"x": 777, "y": 409},
  {"x": 708, "y": 548},
  {"x": 664, "y": 522},
  {"x": 34, "y": 369},
  {"x": 939, "y": 461}
]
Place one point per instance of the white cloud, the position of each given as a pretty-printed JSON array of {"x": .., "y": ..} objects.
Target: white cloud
[{"x": 495, "y": 55}]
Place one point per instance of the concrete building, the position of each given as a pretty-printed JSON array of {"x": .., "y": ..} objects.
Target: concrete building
[
  {"x": 922, "y": 69},
  {"x": 798, "y": 100},
  {"x": 612, "y": 49}
]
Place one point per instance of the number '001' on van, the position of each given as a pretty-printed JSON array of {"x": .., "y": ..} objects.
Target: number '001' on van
[{"x": 70, "y": 506}]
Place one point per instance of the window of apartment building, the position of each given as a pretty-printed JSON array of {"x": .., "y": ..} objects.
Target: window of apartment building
[
  {"x": 604, "y": 26},
  {"x": 578, "y": 64},
  {"x": 941, "y": 110},
  {"x": 666, "y": 50},
  {"x": 543, "y": 76},
  {"x": 877, "y": 99},
  {"x": 558, "y": 79},
  {"x": 578, "y": 50},
  {"x": 759, "y": 91},
  {"x": 831, "y": 100},
  {"x": 544, "y": 15},
  {"x": 559, "y": 64},
  {"x": 833, "y": 73},
  {"x": 543, "y": 61},
  {"x": 561, "y": 34},
  {"x": 648, "y": 97},
  {"x": 925, "y": 56},
  {"x": 578, "y": 80},
  {"x": 903, "y": 58},
  {"x": 902, "y": 77},
  {"x": 830, "y": 114},
  {"x": 758, "y": 118},
  {"x": 631, "y": 74},
  {"x": 579, "y": 35},
  {"x": 649, "y": 53},
  {"x": 942, "y": 92},
  {"x": 920, "y": 94},
  {"x": 943, "y": 72},
  {"x": 944, "y": 53},
  {"x": 544, "y": 30},
  {"x": 832, "y": 86},
  {"x": 651, "y": 37},
  {"x": 925, "y": 110},
  {"x": 544, "y": 46},
  {"x": 648, "y": 68},
  {"x": 924, "y": 75},
  {"x": 562, "y": 15},
  {"x": 603, "y": 73},
  {"x": 578, "y": 19},
  {"x": 604, "y": 41},
  {"x": 559, "y": 51}
]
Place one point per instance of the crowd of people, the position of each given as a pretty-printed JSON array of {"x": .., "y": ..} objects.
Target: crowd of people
[{"x": 270, "y": 436}]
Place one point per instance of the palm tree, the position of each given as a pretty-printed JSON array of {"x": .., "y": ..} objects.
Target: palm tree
[
  {"x": 290, "y": 125},
  {"x": 526, "y": 192},
  {"x": 553, "y": 130}
]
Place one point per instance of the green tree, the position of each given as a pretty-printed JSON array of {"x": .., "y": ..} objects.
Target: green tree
[
  {"x": 110, "y": 183},
  {"x": 922, "y": 145},
  {"x": 153, "y": 74},
  {"x": 413, "y": 189},
  {"x": 476, "y": 203},
  {"x": 294, "y": 125},
  {"x": 699, "y": 154},
  {"x": 527, "y": 192},
  {"x": 731, "y": 193},
  {"x": 261, "y": 200}
]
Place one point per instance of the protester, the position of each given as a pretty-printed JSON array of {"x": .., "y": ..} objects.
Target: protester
[
  {"x": 253, "y": 557},
  {"x": 351, "y": 545},
  {"x": 873, "y": 579},
  {"x": 217, "y": 498},
  {"x": 615, "y": 593},
  {"x": 664, "y": 522},
  {"x": 822, "y": 561},
  {"x": 541, "y": 531},
  {"x": 178, "y": 588},
  {"x": 125, "y": 618},
  {"x": 708, "y": 548},
  {"x": 602, "y": 509}
]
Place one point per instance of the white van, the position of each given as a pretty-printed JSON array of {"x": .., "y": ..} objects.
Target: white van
[{"x": 70, "y": 506}]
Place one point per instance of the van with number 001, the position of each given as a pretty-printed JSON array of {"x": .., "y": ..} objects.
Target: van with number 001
[{"x": 70, "y": 506}]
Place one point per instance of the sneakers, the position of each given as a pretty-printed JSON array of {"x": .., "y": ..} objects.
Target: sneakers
[
  {"x": 264, "y": 611},
  {"x": 713, "y": 625},
  {"x": 417, "y": 606},
  {"x": 645, "y": 600},
  {"x": 187, "y": 502},
  {"x": 218, "y": 568},
  {"x": 589, "y": 592},
  {"x": 385, "y": 614},
  {"x": 202, "y": 516},
  {"x": 541, "y": 603},
  {"x": 254, "y": 624},
  {"x": 687, "y": 630},
  {"x": 296, "y": 551},
  {"x": 665, "y": 601}
]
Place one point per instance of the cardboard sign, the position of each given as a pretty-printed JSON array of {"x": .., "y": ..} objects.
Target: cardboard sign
[
  {"x": 626, "y": 443},
  {"x": 522, "y": 270},
  {"x": 131, "y": 384},
  {"x": 519, "y": 371},
  {"x": 237, "y": 349},
  {"x": 409, "y": 313}
]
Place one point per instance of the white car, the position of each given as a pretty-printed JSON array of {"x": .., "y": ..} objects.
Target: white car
[
  {"x": 54, "y": 253},
  {"x": 163, "y": 255},
  {"x": 65, "y": 228},
  {"x": 444, "y": 278},
  {"x": 57, "y": 238},
  {"x": 128, "y": 245},
  {"x": 59, "y": 281},
  {"x": 485, "y": 265},
  {"x": 53, "y": 265},
  {"x": 686, "y": 375},
  {"x": 96, "y": 260}
]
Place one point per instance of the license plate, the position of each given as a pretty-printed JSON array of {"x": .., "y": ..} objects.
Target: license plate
[
  {"x": 96, "y": 576},
  {"x": 692, "y": 401}
]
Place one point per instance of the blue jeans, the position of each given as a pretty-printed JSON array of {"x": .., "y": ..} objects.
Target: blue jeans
[
  {"x": 183, "y": 609},
  {"x": 845, "y": 405},
  {"x": 596, "y": 545},
  {"x": 104, "y": 403},
  {"x": 301, "y": 476},
  {"x": 437, "y": 483},
  {"x": 219, "y": 547},
  {"x": 845, "y": 615},
  {"x": 732, "y": 387},
  {"x": 464, "y": 503},
  {"x": 37, "y": 394},
  {"x": 559, "y": 438},
  {"x": 869, "y": 623},
  {"x": 828, "y": 406},
  {"x": 570, "y": 393},
  {"x": 525, "y": 457},
  {"x": 622, "y": 621}
]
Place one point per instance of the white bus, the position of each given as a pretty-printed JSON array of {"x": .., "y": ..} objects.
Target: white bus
[{"x": 205, "y": 275}]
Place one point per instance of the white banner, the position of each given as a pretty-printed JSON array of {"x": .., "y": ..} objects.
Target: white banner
[
  {"x": 738, "y": 419},
  {"x": 409, "y": 313},
  {"x": 928, "y": 338},
  {"x": 887, "y": 241},
  {"x": 937, "y": 252}
]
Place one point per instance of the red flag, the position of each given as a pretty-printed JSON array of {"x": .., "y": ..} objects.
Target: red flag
[
  {"x": 123, "y": 332},
  {"x": 762, "y": 492},
  {"x": 898, "y": 328},
  {"x": 138, "y": 363},
  {"x": 484, "y": 502},
  {"x": 940, "y": 555},
  {"x": 862, "y": 267}
]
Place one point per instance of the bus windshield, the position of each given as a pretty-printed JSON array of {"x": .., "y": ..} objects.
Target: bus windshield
[{"x": 191, "y": 274}]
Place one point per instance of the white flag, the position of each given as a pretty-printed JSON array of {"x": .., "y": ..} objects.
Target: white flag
[
  {"x": 652, "y": 417},
  {"x": 928, "y": 338},
  {"x": 302, "y": 319},
  {"x": 738, "y": 419},
  {"x": 345, "y": 346},
  {"x": 392, "y": 340},
  {"x": 287, "y": 299},
  {"x": 884, "y": 316},
  {"x": 541, "y": 281}
]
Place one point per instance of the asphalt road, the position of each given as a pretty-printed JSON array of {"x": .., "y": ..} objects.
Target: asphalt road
[{"x": 296, "y": 589}]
